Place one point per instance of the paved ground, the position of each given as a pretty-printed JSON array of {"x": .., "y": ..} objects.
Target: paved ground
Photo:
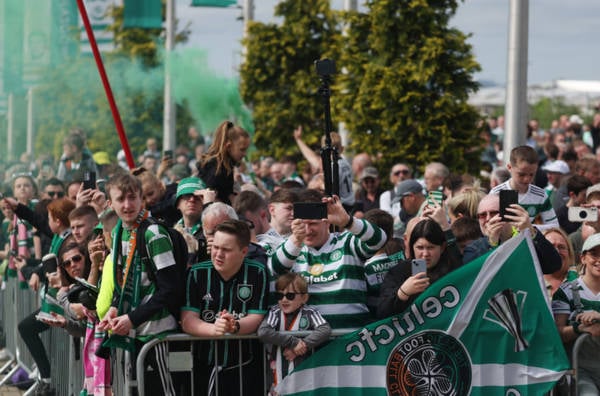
[{"x": 9, "y": 390}]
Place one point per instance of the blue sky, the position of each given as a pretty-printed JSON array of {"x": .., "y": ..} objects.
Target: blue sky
[{"x": 562, "y": 36}]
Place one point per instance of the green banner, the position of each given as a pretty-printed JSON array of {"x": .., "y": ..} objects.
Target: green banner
[
  {"x": 65, "y": 31},
  {"x": 11, "y": 24},
  {"x": 479, "y": 331},
  {"x": 213, "y": 3},
  {"x": 145, "y": 14}
]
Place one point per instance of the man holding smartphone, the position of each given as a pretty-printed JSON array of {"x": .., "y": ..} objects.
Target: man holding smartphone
[
  {"x": 496, "y": 231},
  {"x": 332, "y": 263}
]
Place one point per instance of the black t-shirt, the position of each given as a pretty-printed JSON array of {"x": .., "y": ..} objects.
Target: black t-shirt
[{"x": 221, "y": 182}]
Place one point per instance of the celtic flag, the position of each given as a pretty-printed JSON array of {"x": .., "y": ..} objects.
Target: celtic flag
[{"x": 484, "y": 329}]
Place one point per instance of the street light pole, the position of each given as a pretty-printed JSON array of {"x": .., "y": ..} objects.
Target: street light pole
[
  {"x": 169, "y": 110},
  {"x": 516, "y": 80}
]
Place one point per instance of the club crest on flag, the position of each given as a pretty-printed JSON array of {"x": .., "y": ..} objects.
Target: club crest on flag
[
  {"x": 478, "y": 331},
  {"x": 429, "y": 363}
]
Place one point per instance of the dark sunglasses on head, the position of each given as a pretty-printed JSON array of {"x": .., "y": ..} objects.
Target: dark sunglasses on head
[
  {"x": 290, "y": 296},
  {"x": 401, "y": 171},
  {"x": 59, "y": 194},
  {"x": 75, "y": 259}
]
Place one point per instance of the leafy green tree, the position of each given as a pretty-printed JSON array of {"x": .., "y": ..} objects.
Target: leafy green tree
[
  {"x": 407, "y": 76},
  {"x": 546, "y": 110},
  {"x": 73, "y": 95},
  {"x": 278, "y": 80}
]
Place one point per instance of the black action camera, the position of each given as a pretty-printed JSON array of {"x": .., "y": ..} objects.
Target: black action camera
[{"x": 325, "y": 67}]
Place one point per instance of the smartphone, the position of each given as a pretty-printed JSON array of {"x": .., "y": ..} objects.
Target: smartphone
[
  {"x": 49, "y": 263},
  {"x": 168, "y": 154},
  {"x": 418, "y": 265},
  {"x": 310, "y": 210},
  {"x": 507, "y": 197},
  {"x": 434, "y": 197},
  {"x": 89, "y": 180},
  {"x": 578, "y": 214}
]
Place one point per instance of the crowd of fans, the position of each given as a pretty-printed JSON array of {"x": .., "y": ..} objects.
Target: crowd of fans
[{"x": 249, "y": 265}]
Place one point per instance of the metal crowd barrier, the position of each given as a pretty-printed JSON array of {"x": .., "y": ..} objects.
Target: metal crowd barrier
[
  {"x": 182, "y": 361},
  {"x": 17, "y": 304}
]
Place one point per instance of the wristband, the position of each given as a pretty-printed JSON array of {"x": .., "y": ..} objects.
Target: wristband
[
  {"x": 349, "y": 223},
  {"x": 403, "y": 292},
  {"x": 237, "y": 327}
]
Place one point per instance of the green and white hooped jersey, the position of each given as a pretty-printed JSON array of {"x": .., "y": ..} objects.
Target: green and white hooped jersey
[
  {"x": 535, "y": 201},
  {"x": 376, "y": 268},
  {"x": 160, "y": 252},
  {"x": 335, "y": 272},
  {"x": 563, "y": 303}
]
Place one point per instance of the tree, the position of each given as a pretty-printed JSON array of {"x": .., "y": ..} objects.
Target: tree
[
  {"x": 403, "y": 95},
  {"x": 277, "y": 76},
  {"x": 546, "y": 110},
  {"x": 73, "y": 95}
]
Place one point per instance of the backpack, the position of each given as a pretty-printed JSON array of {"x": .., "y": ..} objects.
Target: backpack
[{"x": 180, "y": 252}]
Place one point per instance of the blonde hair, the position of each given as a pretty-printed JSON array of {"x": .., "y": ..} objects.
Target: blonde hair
[
  {"x": 466, "y": 202},
  {"x": 225, "y": 133}
]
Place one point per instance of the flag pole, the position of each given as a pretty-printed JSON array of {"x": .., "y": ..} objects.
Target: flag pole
[{"x": 107, "y": 89}]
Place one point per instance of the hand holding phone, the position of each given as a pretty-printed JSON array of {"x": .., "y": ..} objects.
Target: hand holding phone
[{"x": 435, "y": 197}]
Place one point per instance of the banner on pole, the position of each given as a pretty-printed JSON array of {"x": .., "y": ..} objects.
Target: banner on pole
[
  {"x": 146, "y": 14},
  {"x": 484, "y": 329},
  {"x": 11, "y": 51},
  {"x": 99, "y": 14}
]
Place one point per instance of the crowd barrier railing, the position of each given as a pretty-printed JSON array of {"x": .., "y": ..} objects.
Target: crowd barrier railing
[
  {"x": 67, "y": 371},
  {"x": 182, "y": 361}
]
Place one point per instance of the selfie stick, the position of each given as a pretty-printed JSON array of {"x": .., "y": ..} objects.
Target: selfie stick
[{"x": 329, "y": 155}]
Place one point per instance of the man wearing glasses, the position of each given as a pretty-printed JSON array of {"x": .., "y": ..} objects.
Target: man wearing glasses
[
  {"x": 53, "y": 188},
  {"x": 496, "y": 231},
  {"x": 398, "y": 173}
]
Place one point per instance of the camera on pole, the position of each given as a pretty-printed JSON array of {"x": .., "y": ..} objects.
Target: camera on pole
[{"x": 329, "y": 156}]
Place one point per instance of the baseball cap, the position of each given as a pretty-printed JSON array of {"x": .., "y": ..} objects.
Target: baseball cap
[
  {"x": 188, "y": 186},
  {"x": 369, "y": 171},
  {"x": 575, "y": 119},
  {"x": 591, "y": 242},
  {"x": 592, "y": 189},
  {"x": 409, "y": 186},
  {"x": 101, "y": 158},
  {"x": 180, "y": 171},
  {"x": 557, "y": 166}
]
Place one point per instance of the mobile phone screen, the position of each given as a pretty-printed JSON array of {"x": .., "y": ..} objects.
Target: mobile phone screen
[
  {"x": 507, "y": 198},
  {"x": 310, "y": 210}
]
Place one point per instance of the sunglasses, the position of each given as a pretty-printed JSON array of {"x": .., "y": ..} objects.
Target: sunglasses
[
  {"x": 290, "y": 296},
  {"x": 401, "y": 171},
  {"x": 190, "y": 197},
  {"x": 59, "y": 194},
  {"x": 75, "y": 259},
  {"x": 483, "y": 215}
]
